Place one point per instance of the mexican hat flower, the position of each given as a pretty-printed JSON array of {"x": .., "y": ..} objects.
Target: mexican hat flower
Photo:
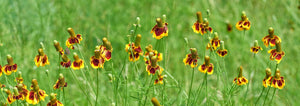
[
  {"x": 222, "y": 51},
  {"x": 160, "y": 30},
  {"x": 207, "y": 67},
  {"x": 22, "y": 90},
  {"x": 240, "y": 80},
  {"x": 159, "y": 79},
  {"x": 0, "y": 70},
  {"x": 271, "y": 38},
  {"x": 243, "y": 24},
  {"x": 97, "y": 61},
  {"x": 102, "y": 54},
  {"x": 134, "y": 50},
  {"x": 17, "y": 95},
  {"x": 215, "y": 42},
  {"x": 155, "y": 102},
  {"x": 278, "y": 81},
  {"x": 196, "y": 27},
  {"x": 192, "y": 58},
  {"x": 73, "y": 39},
  {"x": 77, "y": 63},
  {"x": 10, "y": 67},
  {"x": 58, "y": 47},
  {"x": 54, "y": 101},
  {"x": 60, "y": 83},
  {"x": 149, "y": 49},
  {"x": 276, "y": 54},
  {"x": 153, "y": 67},
  {"x": 268, "y": 78},
  {"x": 10, "y": 99},
  {"x": 36, "y": 94},
  {"x": 255, "y": 48},
  {"x": 66, "y": 61},
  {"x": 204, "y": 28},
  {"x": 41, "y": 59},
  {"x": 19, "y": 78}
]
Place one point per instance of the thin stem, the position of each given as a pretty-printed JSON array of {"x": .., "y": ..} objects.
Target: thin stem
[
  {"x": 266, "y": 96},
  {"x": 206, "y": 89},
  {"x": 191, "y": 85},
  {"x": 64, "y": 96},
  {"x": 148, "y": 90},
  {"x": 200, "y": 89},
  {"x": 97, "y": 88},
  {"x": 260, "y": 95},
  {"x": 246, "y": 93},
  {"x": 273, "y": 95}
]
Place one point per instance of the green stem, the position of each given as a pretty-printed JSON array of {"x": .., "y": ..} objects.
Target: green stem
[
  {"x": 246, "y": 93},
  {"x": 191, "y": 85},
  {"x": 260, "y": 95},
  {"x": 97, "y": 88},
  {"x": 273, "y": 95},
  {"x": 206, "y": 89},
  {"x": 266, "y": 96},
  {"x": 64, "y": 96},
  {"x": 200, "y": 89},
  {"x": 148, "y": 90}
]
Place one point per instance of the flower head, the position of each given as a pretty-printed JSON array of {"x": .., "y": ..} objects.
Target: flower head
[
  {"x": 58, "y": 47},
  {"x": 54, "y": 101},
  {"x": 160, "y": 29},
  {"x": 19, "y": 78},
  {"x": 60, "y": 83},
  {"x": 106, "y": 49},
  {"x": 134, "y": 49},
  {"x": 17, "y": 95},
  {"x": 271, "y": 38},
  {"x": 102, "y": 54},
  {"x": 276, "y": 54},
  {"x": 255, "y": 48},
  {"x": 159, "y": 56},
  {"x": 0, "y": 70},
  {"x": 153, "y": 67},
  {"x": 206, "y": 67},
  {"x": 10, "y": 99},
  {"x": 66, "y": 61},
  {"x": 240, "y": 80},
  {"x": 36, "y": 94},
  {"x": 22, "y": 90},
  {"x": 214, "y": 43},
  {"x": 10, "y": 67},
  {"x": 229, "y": 26},
  {"x": 155, "y": 102},
  {"x": 159, "y": 79},
  {"x": 41, "y": 59},
  {"x": 77, "y": 63},
  {"x": 2, "y": 85},
  {"x": 73, "y": 39},
  {"x": 191, "y": 59},
  {"x": 97, "y": 61},
  {"x": 196, "y": 27},
  {"x": 268, "y": 78},
  {"x": 222, "y": 51},
  {"x": 278, "y": 81},
  {"x": 243, "y": 24}
]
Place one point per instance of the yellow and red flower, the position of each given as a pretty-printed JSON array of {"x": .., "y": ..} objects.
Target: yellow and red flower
[
  {"x": 10, "y": 99},
  {"x": 10, "y": 67},
  {"x": 196, "y": 27},
  {"x": 41, "y": 59},
  {"x": 0, "y": 70},
  {"x": 22, "y": 90},
  {"x": 204, "y": 28},
  {"x": 191, "y": 59},
  {"x": 240, "y": 80},
  {"x": 214, "y": 43},
  {"x": 160, "y": 29},
  {"x": 97, "y": 61},
  {"x": 66, "y": 61},
  {"x": 149, "y": 50},
  {"x": 159, "y": 80},
  {"x": 229, "y": 27},
  {"x": 278, "y": 81},
  {"x": 276, "y": 54},
  {"x": 268, "y": 78},
  {"x": 36, "y": 94},
  {"x": 153, "y": 67},
  {"x": 54, "y": 101},
  {"x": 102, "y": 54},
  {"x": 134, "y": 49},
  {"x": 243, "y": 24},
  {"x": 271, "y": 38},
  {"x": 207, "y": 67},
  {"x": 60, "y": 83},
  {"x": 255, "y": 48},
  {"x": 222, "y": 52},
  {"x": 2, "y": 85},
  {"x": 73, "y": 39},
  {"x": 58, "y": 47},
  {"x": 77, "y": 63}
]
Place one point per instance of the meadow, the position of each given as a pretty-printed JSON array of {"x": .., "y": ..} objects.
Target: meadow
[{"x": 29, "y": 25}]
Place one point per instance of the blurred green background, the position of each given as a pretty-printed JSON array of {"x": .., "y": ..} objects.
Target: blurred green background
[{"x": 26, "y": 23}]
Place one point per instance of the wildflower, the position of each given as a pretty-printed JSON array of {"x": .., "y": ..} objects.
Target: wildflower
[
  {"x": 191, "y": 59},
  {"x": 204, "y": 28},
  {"x": 277, "y": 53},
  {"x": 155, "y": 102},
  {"x": 159, "y": 79},
  {"x": 73, "y": 39},
  {"x": 41, "y": 59},
  {"x": 243, "y": 24},
  {"x": 160, "y": 29},
  {"x": 153, "y": 66},
  {"x": 60, "y": 83},
  {"x": 22, "y": 90},
  {"x": 58, "y": 47},
  {"x": 77, "y": 63},
  {"x": 215, "y": 42},
  {"x": 106, "y": 49},
  {"x": 198, "y": 23},
  {"x": 36, "y": 94},
  {"x": 278, "y": 81},
  {"x": 268, "y": 78},
  {"x": 66, "y": 61},
  {"x": 17, "y": 95},
  {"x": 206, "y": 66},
  {"x": 0, "y": 70},
  {"x": 10, "y": 67},
  {"x": 97, "y": 61},
  {"x": 229, "y": 26},
  {"x": 2, "y": 85},
  {"x": 19, "y": 79},
  {"x": 54, "y": 101},
  {"x": 10, "y": 99},
  {"x": 134, "y": 49},
  {"x": 271, "y": 38},
  {"x": 240, "y": 80},
  {"x": 159, "y": 56},
  {"x": 255, "y": 48},
  {"x": 222, "y": 51}
]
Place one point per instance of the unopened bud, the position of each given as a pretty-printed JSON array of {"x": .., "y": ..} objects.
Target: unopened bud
[
  {"x": 65, "y": 58},
  {"x": 9, "y": 60},
  {"x": 208, "y": 12},
  {"x": 199, "y": 17},
  {"x": 240, "y": 71},
  {"x": 164, "y": 18},
  {"x": 159, "y": 22},
  {"x": 155, "y": 102},
  {"x": 71, "y": 32},
  {"x": 222, "y": 45},
  {"x": 16, "y": 92},
  {"x": 256, "y": 43},
  {"x": 268, "y": 72}
]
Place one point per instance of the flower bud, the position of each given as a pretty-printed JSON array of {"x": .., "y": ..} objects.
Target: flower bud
[
  {"x": 222, "y": 45},
  {"x": 149, "y": 48},
  {"x": 208, "y": 12},
  {"x": 194, "y": 52},
  {"x": 71, "y": 32},
  {"x": 138, "y": 21},
  {"x": 164, "y": 18},
  {"x": 20, "y": 74},
  {"x": 240, "y": 71},
  {"x": 268, "y": 72},
  {"x": 16, "y": 92},
  {"x": 271, "y": 32},
  {"x": 159, "y": 22},
  {"x": 57, "y": 46},
  {"x": 256, "y": 43},
  {"x": 9, "y": 60},
  {"x": 199, "y": 17},
  {"x": 244, "y": 17},
  {"x": 206, "y": 60},
  {"x": 138, "y": 39},
  {"x": 155, "y": 102}
]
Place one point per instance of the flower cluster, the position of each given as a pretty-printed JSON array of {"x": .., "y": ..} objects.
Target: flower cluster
[
  {"x": 102, "y": 54},
  {"x": 36, "y": 94},
  {"x": 134, "y": 50}
]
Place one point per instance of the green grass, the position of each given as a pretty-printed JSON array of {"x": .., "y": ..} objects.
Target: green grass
[{"x": 24, "y": 24}]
